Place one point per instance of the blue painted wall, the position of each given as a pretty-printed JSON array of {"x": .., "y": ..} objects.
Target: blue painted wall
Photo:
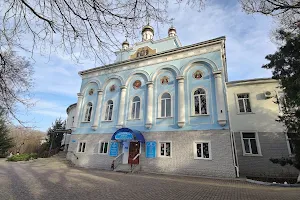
[{"x": 156, "y": 71}]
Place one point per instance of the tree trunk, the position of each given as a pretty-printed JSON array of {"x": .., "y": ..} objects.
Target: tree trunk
[{"x": 298, "y": 179}]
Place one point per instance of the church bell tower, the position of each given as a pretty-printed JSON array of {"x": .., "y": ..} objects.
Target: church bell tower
[{"x": 147, "y": 33}]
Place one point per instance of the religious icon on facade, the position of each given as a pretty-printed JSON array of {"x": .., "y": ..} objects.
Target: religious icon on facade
[
  {"x": 164, "y": 80},
  {"x": 142, "y": 52},
  {"x": 137, "y": 84},
  {"x": 91, "y": 92},
  {"x": 197, "y": 74},
  {"x": 112, "y": 88}
]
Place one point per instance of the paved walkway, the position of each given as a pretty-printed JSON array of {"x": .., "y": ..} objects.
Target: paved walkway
[{"x": 52, "y": 178}]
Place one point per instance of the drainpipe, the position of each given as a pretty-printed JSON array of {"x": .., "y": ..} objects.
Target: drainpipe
[{"x": 232, "y": 139}]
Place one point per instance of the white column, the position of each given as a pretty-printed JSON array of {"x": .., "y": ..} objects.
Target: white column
[
  {"x": 150, "y": 105},
  {"x": 78, "y": 107},
  {"x": 220, "y": 99},
  {"x": 98, "y": 108},
  {"x": 181, "y": 104},
  {"x": 121, "y": 107}
]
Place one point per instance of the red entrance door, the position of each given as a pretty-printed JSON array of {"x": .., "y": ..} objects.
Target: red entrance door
[{"x": 134, "y": 149}]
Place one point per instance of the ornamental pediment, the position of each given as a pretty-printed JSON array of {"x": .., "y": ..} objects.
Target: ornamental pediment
[{"x": 143, "y": 51}]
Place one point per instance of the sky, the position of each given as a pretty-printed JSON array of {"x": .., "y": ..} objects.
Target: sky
[{"x": 56, "y": 79}]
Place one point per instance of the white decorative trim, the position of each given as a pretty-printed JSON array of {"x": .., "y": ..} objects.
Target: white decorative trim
[
  {"x": 210, "y": 63},
  {"x": 195, "y": 150},
  {"x": 130, "y": 108},
  {"x": 156, "y": 59},
  {"x": 238, "y": 106},
  {"x": 85, "y": 147},
  {"x": 111, "y": 78},
  {"x": 169, "y": 68},
  {"x": 85, "y": 86},
  {"x": 193, "y": 102},
  {"x": 100, "y": 147},
  {"x": 84, "y": 113},
  {"x": 138, "y": 72},
  {"x": 159, "y": 105},
  {"x": 257, "y": 144},
  {"x": 159, "y": 149},
  {"x": 104, "y": 111}
]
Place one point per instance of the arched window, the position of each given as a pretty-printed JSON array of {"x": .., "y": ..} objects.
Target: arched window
[
  {"x": 88, "y": 112},
  {"x": 200, "y": 106},
  {"x": 109, "y": 110},
  {"x": 135, "y": 109},
  {"x": 165, "y": 105}
]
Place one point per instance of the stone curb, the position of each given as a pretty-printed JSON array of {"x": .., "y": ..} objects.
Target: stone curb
[{"x": 272, "y": 184}]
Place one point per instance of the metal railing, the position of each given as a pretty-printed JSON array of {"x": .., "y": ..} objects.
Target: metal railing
[
  {"x": 74, "y": 154},
  {"x": 116, "y": 161},
  {"x": 133, "y": 166}
]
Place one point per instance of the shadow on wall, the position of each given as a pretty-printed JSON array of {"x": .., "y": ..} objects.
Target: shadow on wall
[{"x": 272, "y": 142}]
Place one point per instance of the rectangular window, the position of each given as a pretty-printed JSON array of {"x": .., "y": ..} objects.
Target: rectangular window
[
  {"x": 165, "y": 149},
  {"x": 81, "y": 147},
  {"x": 244, "y": 103},
  {"x": 291, "y": 146},
  {"x": 202, "y": 150},
  {"x": 135, "y": 111},
  {"x": 250, "y": 143},
  {"x": 103, "y": 147}
]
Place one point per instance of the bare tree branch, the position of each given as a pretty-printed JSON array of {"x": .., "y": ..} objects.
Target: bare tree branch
[{"x": 286, "y": 12}]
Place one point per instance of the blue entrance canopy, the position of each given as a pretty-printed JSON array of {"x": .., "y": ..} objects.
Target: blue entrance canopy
[{"x": 128, "y": 134}]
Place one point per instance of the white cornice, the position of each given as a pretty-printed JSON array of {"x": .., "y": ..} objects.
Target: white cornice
[
  {"x": 174, "y": 54},
  {"x": 251, "y": 81},
  {"x": 136, "y": 45}
]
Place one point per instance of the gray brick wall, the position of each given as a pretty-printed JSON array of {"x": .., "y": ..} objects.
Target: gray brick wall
[
  {"x": 273, "y": 145},
  {"x": 182, "y": 160}
]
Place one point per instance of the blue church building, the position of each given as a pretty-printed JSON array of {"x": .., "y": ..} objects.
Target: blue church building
[{"x": 160, "y": 107}]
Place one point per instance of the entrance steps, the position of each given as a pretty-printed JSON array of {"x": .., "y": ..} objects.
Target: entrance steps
[{"x": 126, "y": 168}]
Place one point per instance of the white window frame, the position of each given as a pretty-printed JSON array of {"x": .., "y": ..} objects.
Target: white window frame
[
  {"x": 87, "y": 107},
  {"x": 257, "y": 144},
  {"x": 159, "y": 150},
  {"x": 159, "y": 105},
  {"x": 107, "y": 110},
  {"x": 130, "y": 109},
  {"x": 103, "y": 147},
  {"x": 244, "y": 105},
  {"x": 288, "y": 140},
  {"x": 195, "y": 150},
  {"x": 193, "y": 102},
  {"x": 85, "y": 147}
]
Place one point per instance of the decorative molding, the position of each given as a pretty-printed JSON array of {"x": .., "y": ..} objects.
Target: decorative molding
[
  {"x": 143, "y": 51},
  {"x": 84, "y": 87},
  {"x": 155, "y": 59}
]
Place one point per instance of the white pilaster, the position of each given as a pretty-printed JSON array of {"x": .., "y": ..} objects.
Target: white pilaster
[
  {"x": 122, "y": 107},
  {"x": 98, "y": 108},
  {"x": 181, "y": 104},
  {"x": 150, "y": 105},
  {"x": 220, "y": 99},
  {"x": 78, "y": 107}
]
